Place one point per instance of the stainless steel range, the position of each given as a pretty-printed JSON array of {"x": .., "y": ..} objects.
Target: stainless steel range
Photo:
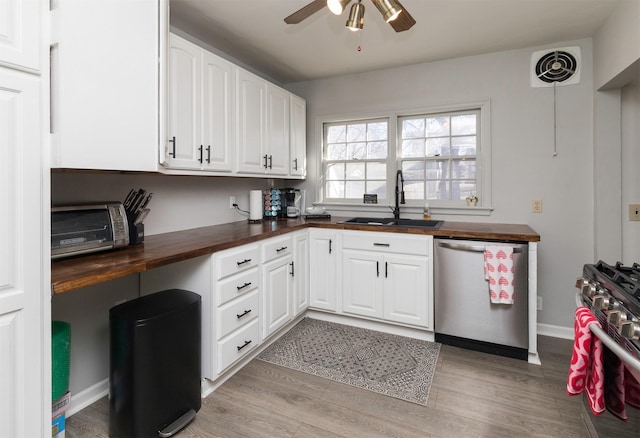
[{"x": 612, "y": 293}]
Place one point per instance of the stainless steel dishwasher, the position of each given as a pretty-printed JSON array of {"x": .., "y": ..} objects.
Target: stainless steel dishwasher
[{"x": 464, "y": 314}]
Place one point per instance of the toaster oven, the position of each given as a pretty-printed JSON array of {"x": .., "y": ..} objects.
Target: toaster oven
[{"x": 86, "y": 228}]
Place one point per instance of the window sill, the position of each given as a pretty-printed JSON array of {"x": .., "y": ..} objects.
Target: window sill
[{"x": 385, "y": 209}]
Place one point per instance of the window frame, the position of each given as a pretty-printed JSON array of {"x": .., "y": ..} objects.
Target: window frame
[{"x": 483, "y": 160}]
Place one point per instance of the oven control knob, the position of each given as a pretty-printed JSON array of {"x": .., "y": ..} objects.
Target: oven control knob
[
  {"x": 630, "y": 330},
  {"x": 616, "y": 317},
  {"x": 581, "y": 282},
  {"x": 588, "y": 289},
  {"x": 601, "y": 302}
]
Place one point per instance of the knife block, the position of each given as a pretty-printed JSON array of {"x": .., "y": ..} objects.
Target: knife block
[{"x": 136, "y": 232}]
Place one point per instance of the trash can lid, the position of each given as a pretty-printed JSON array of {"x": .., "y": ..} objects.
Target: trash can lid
[{"x": 157, "y": 305}]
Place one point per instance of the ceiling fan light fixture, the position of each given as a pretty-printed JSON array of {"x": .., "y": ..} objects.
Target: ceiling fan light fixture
[
  {"x": 337, "y": 6},
  {"x": 356, "y": 17},
  {"x": 390, "y": 9}
]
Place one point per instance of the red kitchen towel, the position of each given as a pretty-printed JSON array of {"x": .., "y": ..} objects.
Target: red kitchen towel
[
  {"x": 498, "y": 270},
  {"x": 586, "y": 369}
]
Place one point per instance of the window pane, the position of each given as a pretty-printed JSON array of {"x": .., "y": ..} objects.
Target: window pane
[
  {"x": 413, "y": 128},
  {"x": 463, "y": 169},
  {"x": 412, "y": 148},
  {"x": 414, "y": 189},
  {"x": 335, "y": 189},
  {"x": 356, "y": 151},
  {"x": 413, "y": 170},
  {"x": 465, "y": 188},
  {"x": 354, "y": 189},
  {"x": 437, "y": 147},
  {"x": 337, "y": 151},
  {"x": 463, "y": 124},
  {"x": 377, "y": 187},
  {"x": 377, "y": 131},
  {"x": 377, "y": 171},
  {"x": 377, "y": 149},
  {"x": 463, "y": 145},
  {"x": 437, "y": 170},
  {"x": 335, "y": 171},
  {"x": 355, "y": 171},
  {"x": 437, "y": 126},
  {"x": 337, "y": 134},
  {"x": 357, "y": 132}
]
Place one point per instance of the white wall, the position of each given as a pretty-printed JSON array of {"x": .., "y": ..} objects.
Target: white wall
[
  {"x": 522, "y": 148},
  {"x": 630, "y": 115}
]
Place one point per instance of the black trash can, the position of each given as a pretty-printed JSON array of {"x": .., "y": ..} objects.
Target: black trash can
[{"x": 154, "y": 381}]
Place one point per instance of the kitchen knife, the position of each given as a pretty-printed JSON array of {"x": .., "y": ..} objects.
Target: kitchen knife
[{"x": 143, "y": 214}]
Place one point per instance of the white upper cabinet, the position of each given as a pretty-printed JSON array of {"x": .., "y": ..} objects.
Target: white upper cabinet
[
  {"x": 199, "y": 109},
  {"x": 250, "y": 121},
  {"x": 20, "y": 34},
  {"x": 107, "y": 65},
  {"x": 277, "y": 130},
  {"x": 298, "y": 137}
]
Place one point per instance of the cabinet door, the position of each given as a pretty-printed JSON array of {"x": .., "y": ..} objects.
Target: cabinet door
[
  {"x": 298, "y": 137},
  {"x": 323, "y": 269},
  {"x": 407, "y": 289},
  {"x": 217, "y": 112},
  {"x": 362, "y": 282},
  {"x": 20, "y": 34},
  {"x": 24, "y": 318},
  {"x": 184, "y": 105},
  {"x": 250, "y": 123},
  {"x": 106, "y": 60},
  {"x": 277, "y": 130},
  {"x": 301, "y": 273},
  {"x": 277, "y": 291}
]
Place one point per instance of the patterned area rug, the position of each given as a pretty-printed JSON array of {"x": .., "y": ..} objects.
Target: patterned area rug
[{"x": 392, "y": 365}]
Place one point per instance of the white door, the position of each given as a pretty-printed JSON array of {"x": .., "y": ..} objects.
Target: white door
[
  {"x": 298, "y": 137},
  {"x": 362, "y": 282},
  {"x": 301, "y": 272},
  {"x": 25, "y": 327},
  {"x": 17, "y": 47},
  {"x": 277, "y": 294},
  {"x": 277, "y": 130},
  {"x": 217, "y": 112},
  {"x": 406, "y": 289},
  {"x": 323, "y": 265},
  {"x": 250, "y": 121},
  {"x": 184, "y": 105}
]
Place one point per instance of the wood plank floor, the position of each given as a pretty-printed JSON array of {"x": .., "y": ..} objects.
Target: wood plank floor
[{"x": 473, "y": 395}]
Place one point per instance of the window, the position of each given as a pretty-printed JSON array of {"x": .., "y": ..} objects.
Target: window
[
  {"x": 355, "y": 159},
  {"x": 444, "y": 155},
  {"x": 438, "y": 155}
]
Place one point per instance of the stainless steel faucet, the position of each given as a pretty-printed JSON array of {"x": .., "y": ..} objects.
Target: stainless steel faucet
[{"x": 399, "y": 194}]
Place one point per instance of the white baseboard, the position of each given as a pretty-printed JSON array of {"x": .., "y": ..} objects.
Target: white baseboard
[
  {"x": 90, "y": 395},
  {"x": 555, "y": 331}
]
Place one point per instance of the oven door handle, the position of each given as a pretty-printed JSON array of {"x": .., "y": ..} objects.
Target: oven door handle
[{"x": 616, "y": 349}]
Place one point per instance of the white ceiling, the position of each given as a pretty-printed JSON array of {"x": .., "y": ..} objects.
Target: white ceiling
[{"x": 253, "y": 32}]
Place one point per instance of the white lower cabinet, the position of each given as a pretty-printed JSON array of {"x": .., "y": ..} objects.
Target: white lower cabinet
[
  {"x": 277, "y": 283},
  {"x": 388, "y": 276},
  {"x": 301, "y": 272},
  {"x": 324, "y": 257}
]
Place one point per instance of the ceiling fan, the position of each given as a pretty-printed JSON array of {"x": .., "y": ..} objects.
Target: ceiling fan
[{"x": 393, "y": 12}]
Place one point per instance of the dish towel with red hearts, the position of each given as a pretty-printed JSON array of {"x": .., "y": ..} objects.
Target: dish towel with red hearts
[
  {"x": 586, "y": 372},
  {"x": 498, "y": 271}
]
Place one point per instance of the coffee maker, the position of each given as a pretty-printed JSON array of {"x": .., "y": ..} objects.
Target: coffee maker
[{"x": 291, "y": 203}]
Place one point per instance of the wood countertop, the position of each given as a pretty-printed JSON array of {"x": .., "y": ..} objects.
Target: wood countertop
[{"x": 162, "y": 249}]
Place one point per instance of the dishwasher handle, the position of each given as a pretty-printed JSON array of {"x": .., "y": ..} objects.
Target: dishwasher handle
[{"x": 472, "y": 248}]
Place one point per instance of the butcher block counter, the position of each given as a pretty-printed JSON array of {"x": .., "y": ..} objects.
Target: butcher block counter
[{"x": 162, "y": 249}]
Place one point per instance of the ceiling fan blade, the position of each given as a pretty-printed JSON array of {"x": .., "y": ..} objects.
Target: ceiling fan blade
[
  {"x": 305, "y": 11},
  {"x": 404, "y": 21}
]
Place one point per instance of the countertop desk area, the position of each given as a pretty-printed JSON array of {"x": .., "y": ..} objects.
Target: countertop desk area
[{"x": 162, "y": 249}]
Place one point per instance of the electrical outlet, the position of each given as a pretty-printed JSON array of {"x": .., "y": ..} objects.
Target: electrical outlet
[
  {"x": 634, "y": 212},
  {"x": 536, "y": 206},
  {"x": 232, "y": 200},
  {"x": 539, "y": 302}
]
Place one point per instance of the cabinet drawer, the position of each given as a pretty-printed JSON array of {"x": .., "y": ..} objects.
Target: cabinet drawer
[
  {"x": 238, "y": 344},
  {"x": 276, "y": 247},
  {"x": 237, "y": 313},
  {"x": 236, "y": 260},
  {"x": 387, "y": 242},
  {"x": 233, "y": 287}
]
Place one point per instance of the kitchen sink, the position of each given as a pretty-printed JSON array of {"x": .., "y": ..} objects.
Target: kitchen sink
[{"x": 390, "y": 222}]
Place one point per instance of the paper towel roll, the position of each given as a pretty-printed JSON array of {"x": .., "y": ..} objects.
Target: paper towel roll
[{"x": 255, "y": 205}]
